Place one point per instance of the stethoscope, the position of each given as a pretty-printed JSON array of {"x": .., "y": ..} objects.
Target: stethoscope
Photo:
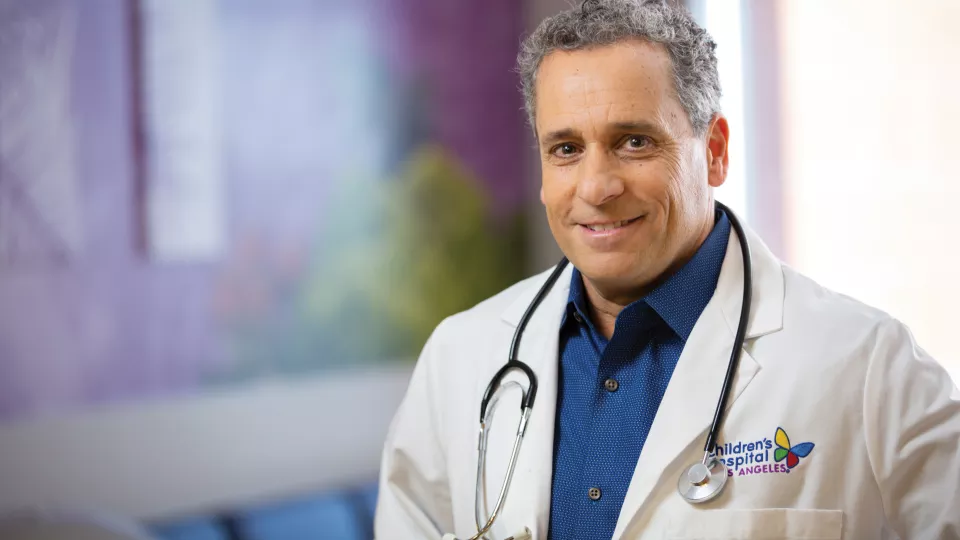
[{"x": 699, "y": 483}]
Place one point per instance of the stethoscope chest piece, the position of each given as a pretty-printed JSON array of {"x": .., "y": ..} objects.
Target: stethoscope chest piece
[{"x": 703, "y": 481}]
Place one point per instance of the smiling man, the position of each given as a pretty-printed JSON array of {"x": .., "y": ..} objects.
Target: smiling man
[{"x": 837, "y": 424}]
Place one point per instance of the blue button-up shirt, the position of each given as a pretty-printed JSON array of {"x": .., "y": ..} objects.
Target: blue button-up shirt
[{"x": 610, "y": 391}]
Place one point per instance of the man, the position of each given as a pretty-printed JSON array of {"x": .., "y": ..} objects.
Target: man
[{"x": 838, "y": 425}]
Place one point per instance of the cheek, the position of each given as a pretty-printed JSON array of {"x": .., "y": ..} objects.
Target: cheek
[
  {"x": 685, "y": 177},
  {"x": 556, "y": 191},
  {"x": 679, "y": 167},
  {"x": 657, "y": 182}
]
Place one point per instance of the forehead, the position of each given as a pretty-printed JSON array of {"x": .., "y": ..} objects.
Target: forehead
[{"x": 624, "y": 82}]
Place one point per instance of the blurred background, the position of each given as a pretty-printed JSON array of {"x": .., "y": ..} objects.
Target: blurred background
[{"x": 228, "y": 226}]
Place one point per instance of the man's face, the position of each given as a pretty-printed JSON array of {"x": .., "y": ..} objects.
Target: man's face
[{"x": 625, "y": 178}]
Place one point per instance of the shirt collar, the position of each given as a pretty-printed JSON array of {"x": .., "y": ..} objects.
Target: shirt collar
[{"x": 680, "y": 299}]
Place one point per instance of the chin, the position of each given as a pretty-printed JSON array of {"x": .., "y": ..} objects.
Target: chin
[{"x": 608, "y": 267}]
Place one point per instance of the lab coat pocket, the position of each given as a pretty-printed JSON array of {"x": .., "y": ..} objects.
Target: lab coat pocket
[{"x": 768, "y": 524}]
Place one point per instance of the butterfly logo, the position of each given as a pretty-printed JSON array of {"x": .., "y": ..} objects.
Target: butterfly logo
[{"x": 791, "y": 453}]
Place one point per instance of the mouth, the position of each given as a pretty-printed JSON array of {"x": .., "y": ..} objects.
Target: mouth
[{"x": 608, "y": 226}]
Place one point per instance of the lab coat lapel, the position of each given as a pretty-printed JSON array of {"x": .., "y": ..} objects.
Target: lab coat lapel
[
  {"x": 686, "y": 412},
  {"x": 529, "y": 498}
]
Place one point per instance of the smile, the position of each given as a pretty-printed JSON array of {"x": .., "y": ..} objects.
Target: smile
[{"x": 599, "y": 227}]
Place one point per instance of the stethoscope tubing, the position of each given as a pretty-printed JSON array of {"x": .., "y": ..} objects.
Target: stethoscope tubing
[{"x": 734, "y": 363}]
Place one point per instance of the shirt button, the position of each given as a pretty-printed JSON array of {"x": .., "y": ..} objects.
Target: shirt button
[
  {"x": 611, "y": 385},
  {"x": 594, "y": 493},
  {"x": 578, "y": 317}
]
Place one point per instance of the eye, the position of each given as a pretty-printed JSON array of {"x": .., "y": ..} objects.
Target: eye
[
  {"x": 564, "y": 150},
  {"x": 637, "y": 142}
]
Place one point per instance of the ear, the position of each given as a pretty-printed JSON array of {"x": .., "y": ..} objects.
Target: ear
[{"x": 718, "y": 152}]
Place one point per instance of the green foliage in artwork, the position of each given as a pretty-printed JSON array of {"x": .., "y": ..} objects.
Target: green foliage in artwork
[{"x": 397, "y": 257}]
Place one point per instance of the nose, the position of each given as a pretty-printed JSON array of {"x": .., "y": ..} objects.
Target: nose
[{"x": 600, "y": 181}]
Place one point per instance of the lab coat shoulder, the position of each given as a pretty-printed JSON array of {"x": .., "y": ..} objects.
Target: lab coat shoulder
[
  {"x": 489, "y": 314},
  {"x": 415, "y": 485},
  {"x": 472, "y": 344},
  {"x": 812, "y": 309},
  {"x": 824, "y": 345},
  {"x": 866, "y": 365},
  {"x": 826, "y": 335}
]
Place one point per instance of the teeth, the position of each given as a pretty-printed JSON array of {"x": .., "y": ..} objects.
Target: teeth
[{"x": 608, "y": 226}]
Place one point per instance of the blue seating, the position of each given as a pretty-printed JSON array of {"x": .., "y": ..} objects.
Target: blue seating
[
  {"x": 341, "y": 515},
  {"x": 369, "y": 495},
  {"x": 195, "y": 529},
  {"x": 327, "y": 517}
]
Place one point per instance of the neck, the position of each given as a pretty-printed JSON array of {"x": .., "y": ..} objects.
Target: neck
[{"x": 603, "y": 312}]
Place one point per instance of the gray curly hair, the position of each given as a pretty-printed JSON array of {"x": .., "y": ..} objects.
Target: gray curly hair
[{"x": 603, "y": 22}]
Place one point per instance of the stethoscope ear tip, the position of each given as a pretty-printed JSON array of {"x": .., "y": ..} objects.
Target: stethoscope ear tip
[{"x": 525, "y": 534}]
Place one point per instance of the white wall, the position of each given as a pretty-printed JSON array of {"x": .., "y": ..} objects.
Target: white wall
[
  {"x": 870, "y": 109},
  {"x": 209, "y": 451},
  {"x": 722, "y": 19}
]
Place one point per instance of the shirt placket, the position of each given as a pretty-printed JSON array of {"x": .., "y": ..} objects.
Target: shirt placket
[{"x": 602, "y": 490}]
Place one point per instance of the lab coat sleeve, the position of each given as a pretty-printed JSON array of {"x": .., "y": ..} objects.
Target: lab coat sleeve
[
  {"x": 912, "y": 425},
  {"x": 414, "y": 494}
]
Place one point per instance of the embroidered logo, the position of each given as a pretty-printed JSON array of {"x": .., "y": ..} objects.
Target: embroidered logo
[
  {"x": 744, "y": 458},
  {"x": 791, "y": 453}
]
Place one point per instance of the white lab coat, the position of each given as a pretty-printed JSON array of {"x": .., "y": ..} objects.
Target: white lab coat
[{"x": 883, "y": 415}]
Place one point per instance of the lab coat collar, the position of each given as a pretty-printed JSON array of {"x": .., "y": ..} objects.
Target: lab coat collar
[
  {"x": 530, "y": 287},
  {"x": 766, "y": 311}
]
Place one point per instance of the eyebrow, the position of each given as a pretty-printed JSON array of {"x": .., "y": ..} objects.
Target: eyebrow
[
  {"x": 559, "y": 135},
  {"x": 570, "y": 133}
]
